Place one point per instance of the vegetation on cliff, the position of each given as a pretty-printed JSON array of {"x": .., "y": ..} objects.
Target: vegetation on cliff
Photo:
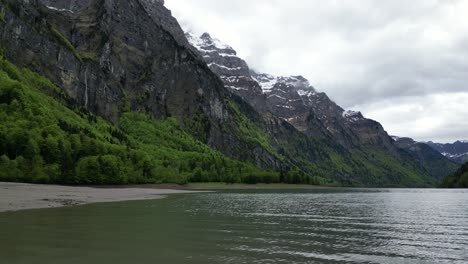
[
  {"x": 46, "y": 138},
  {"x": 185, "y": 125},
  {"x": 457, "y": 180}
]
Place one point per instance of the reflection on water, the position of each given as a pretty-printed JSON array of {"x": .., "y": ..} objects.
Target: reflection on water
[{"x": 336, "y": 226}]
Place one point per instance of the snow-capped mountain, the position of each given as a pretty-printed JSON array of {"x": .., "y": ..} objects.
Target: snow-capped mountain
[
  {"x": 234, "y": 71},
  {"x": 291, "y": 98},
  {"x": 457, "y": 151}
]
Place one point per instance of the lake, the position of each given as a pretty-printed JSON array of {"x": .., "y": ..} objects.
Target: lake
[{"x": 268, "y": 226}]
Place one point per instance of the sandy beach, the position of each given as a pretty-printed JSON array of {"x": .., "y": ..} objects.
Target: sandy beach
[{"x": 19, "y": 196}]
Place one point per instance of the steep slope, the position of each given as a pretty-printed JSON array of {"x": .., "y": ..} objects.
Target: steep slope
[
  {"x": 437, "y": 164},
  {"x": 121, "y": 58},
  {"x": 235, "y": 73},
  {"x": 457, "y": 151},
  {"x": 94, "y": 53},
  {"x": 291, "y": 98},
  {"x": 294, "y": 100},
  {"x": 45, "y": 137},
  {"x": 457, "y": 180}
]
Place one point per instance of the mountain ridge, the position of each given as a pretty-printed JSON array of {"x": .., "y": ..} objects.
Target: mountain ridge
[
  {"x": 437, "y": 164},
  {"x": 94, "y": 54},
  {"x": 457, "y": 151},
  {"x": 291, "y": 98},
  {"x": 294, "y": 100}
]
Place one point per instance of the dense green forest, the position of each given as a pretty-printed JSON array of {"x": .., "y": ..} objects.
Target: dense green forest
[
  {"x": 457, "y": 180},
  {"x": 45, "y": 137}
]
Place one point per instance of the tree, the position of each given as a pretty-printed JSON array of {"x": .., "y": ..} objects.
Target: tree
[
  {"x": 8, "y": 169},
  {"x": 37, "y": 173},
  {"x": 111, "y": 169},
  {"x": 50, "y": 150},
  {"x": 197, "y": 175},
  {"x": 87, "y": 171}
]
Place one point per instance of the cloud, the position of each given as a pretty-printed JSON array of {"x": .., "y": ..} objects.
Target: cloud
[
  {"x": 363, "y": 53},
  {"x": 440, "y": 117}
]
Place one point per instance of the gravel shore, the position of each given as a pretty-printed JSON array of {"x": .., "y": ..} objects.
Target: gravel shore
[{"x": 19, "y": 196}]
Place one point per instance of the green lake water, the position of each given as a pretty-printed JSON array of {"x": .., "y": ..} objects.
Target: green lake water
[{"x": 319, "y": 226}]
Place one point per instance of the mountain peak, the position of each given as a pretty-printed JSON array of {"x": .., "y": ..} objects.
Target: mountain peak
[
  {"x": 297, "y": 83},
  {"x": 206, "y": 43},
  {"x": 206, "y": 36},
  {"x": 353, "y": 116}
]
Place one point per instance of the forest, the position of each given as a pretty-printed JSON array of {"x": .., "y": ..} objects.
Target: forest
[
  {"x": 459, "y": 179},
  {"x": 45, "y": 137}
]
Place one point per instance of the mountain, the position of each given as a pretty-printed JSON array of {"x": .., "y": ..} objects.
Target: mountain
[
  {"x": 294, "y": 100},
  {"x": 457, "y": 151},
  {"x": 437, "y": 164},
  {"x": 291, "y": 98},
  {"x": 46, "y": 137},
  {"x": 233, "y": 71},
  {"x": 127, "y": 69},
  {"x": 458, "y": 179},
  {"x": 93, "y": 52}
]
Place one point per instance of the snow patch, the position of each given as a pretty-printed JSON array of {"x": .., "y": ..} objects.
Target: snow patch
[
  {"x": 224, "y": 67},
  {"x": 304, "y": 93},
  {"x": 227, "y": 55},
  {"x": 275, "y": 95},
  {"x": 59, "y": 10},
  {"x": 268, "y": 82},
  {"x": 353, "y": 116},
  {"x": 237, "y": 88},
  {"x": 454, "y": 156},
  {"x": 205, "y": 41},
  {"x": 285, "y": 106}
]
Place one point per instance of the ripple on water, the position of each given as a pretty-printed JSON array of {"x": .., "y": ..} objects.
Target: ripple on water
[{"x": 421, "y": 226}]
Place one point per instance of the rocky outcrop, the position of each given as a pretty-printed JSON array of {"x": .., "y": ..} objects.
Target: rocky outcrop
[
  {"x": 291, "y": 98},
  {"x": 235, "y": 73}
]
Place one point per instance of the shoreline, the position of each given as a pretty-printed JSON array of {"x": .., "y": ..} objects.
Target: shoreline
[
  {"x": 25, "y": 196},
  {"x": 237, "y": 186},
  {"x": 22, "y": 196}
]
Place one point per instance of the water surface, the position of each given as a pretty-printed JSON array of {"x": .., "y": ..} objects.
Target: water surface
[{"x": 319, "y": 226}]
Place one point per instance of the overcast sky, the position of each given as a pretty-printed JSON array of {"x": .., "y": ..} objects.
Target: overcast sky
[{"x": 403, "y": 63}]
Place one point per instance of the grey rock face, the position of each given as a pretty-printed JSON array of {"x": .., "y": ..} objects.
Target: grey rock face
[
  {"x": 66, "y": 5},
  {"x": 235, "y": 73},
  {"x": 119, "y": 55},
  {"x": 291, "y": 98},
  {"x": 163, "y": 17}
]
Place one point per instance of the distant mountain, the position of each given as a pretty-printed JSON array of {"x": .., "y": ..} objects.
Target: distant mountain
[
  {"x": 457, "y": 180},
  {"x": 457, "y": 151},
  {"x": 437, "y": 164}
]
